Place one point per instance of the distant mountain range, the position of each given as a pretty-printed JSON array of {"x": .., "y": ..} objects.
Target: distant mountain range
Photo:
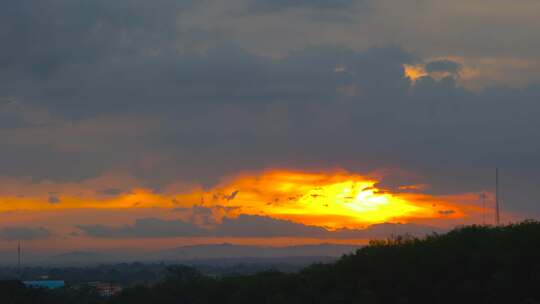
[
  {"x": 189, "y": 254},
  {"x": 234, "y": 251}
]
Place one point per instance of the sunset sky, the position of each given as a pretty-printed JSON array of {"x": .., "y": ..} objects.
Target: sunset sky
[{"x": 137, "y": 124}]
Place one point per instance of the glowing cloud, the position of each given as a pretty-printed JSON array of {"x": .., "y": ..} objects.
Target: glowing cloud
[
  {"x": 414, "y": 72},
  {"x": 331, "y": 199}
]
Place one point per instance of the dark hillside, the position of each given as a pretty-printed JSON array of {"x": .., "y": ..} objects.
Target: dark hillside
[{"x": 473, "y": 264}]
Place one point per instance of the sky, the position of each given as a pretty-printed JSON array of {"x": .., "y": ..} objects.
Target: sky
[{"x": 135, "y": 123}]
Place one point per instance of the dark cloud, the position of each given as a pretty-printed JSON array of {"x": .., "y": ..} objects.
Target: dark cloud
[
  {"x": 203, "y": 216},
  {"x": 443, "y": 66},
  {"x": 53, "y": 199},
  {"x": 247, "y": 226},
  {"x": 280, "y": 5},
  {"x": 446, "y": 212},
  {"x": 112, "y": 191},
  {"x": 24, "y": 233},
  {"x": 45, "y": 36},
  {"x": 145, "y": 228},
  {"x": 232, "y": 196},
  {"x": 260, "y": 226}
]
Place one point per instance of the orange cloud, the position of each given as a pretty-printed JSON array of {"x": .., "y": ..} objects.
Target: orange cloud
[
  {"x": 333, "y": 199},
  {"x": 414, "y": 72},
  {"x": 475, "y": 74}
]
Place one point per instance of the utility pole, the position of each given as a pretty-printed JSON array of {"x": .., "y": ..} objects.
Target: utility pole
[{"x": 497, "y": 210}]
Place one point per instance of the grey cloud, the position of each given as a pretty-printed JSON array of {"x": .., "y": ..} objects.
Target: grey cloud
[
  {"x": 46, "y": 35},
  {"x": 247, "y": 226},
  {"x": 109, "y": 56},
  {"x": 177, "y": 89},
  {"x": 260, "y": 226},
  {"x": 24, "y": 233},
  {"x": 112, "y": 191},
  {"x": 202, "y": 215},
  {"x": 398, "y": 180},
  {"x": 232, "y": 196},
  {"x": 280, "y": 5},
  {"x": 144, "y": 228},
  {"x": 53, "y": 199},
  {"x": 443, "y": 66},
  {"x": 446, "y": 212}
]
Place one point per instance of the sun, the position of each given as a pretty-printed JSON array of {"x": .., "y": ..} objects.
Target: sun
[
  {"x": 333, "y": 200},
  {"x": 358, "y": 201}
]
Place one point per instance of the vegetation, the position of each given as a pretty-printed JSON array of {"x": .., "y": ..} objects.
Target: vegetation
[
  {"x": 14, "y": 292},
  {"x": 125, "y": 274},
  {"x": 473, "y": 264}
]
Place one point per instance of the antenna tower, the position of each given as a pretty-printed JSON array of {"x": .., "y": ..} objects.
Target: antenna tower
[{"x": 497, "y": 210}]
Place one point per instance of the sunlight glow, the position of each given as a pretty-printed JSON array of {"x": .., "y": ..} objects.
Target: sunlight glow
[
  {"x": 414, "y": 72},
  {"x": 332, "y": 199}
]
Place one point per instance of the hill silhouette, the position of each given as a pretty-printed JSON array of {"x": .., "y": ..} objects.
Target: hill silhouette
[{"x": 474, "y": 264}]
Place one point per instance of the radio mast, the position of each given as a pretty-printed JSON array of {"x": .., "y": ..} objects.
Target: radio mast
[{"x": 497, "y": 210}]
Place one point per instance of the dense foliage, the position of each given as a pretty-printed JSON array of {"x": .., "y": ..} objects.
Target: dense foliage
[
  {"x": 14, "y": 292},
  {"x": 468, "y": 265}
]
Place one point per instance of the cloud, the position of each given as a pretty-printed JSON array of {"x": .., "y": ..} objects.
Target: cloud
[
  {"x": 247, "y": 226},
  {"x": 112, "y": 191},
  {"x": 165, "y": 91},
  {"x": 281, "y": 5},
  {"x": 144, "y": 228},
  {"x": 24, "y": 233},
  {"x": 231, "y": 196},
  {"x": 89, "y": 31},
  {"x": 53, "y": 199},
  {"x": 443, "y": 66},
  {"x": 447, "y": 212},
  {"x": 308, "y": 197},
  {"x": 260, "y": 226}
]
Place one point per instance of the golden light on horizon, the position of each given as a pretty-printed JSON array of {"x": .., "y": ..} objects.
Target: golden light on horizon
[
  {"x": 332, "y": 199},
  {"x": 353, "y": 199}
]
